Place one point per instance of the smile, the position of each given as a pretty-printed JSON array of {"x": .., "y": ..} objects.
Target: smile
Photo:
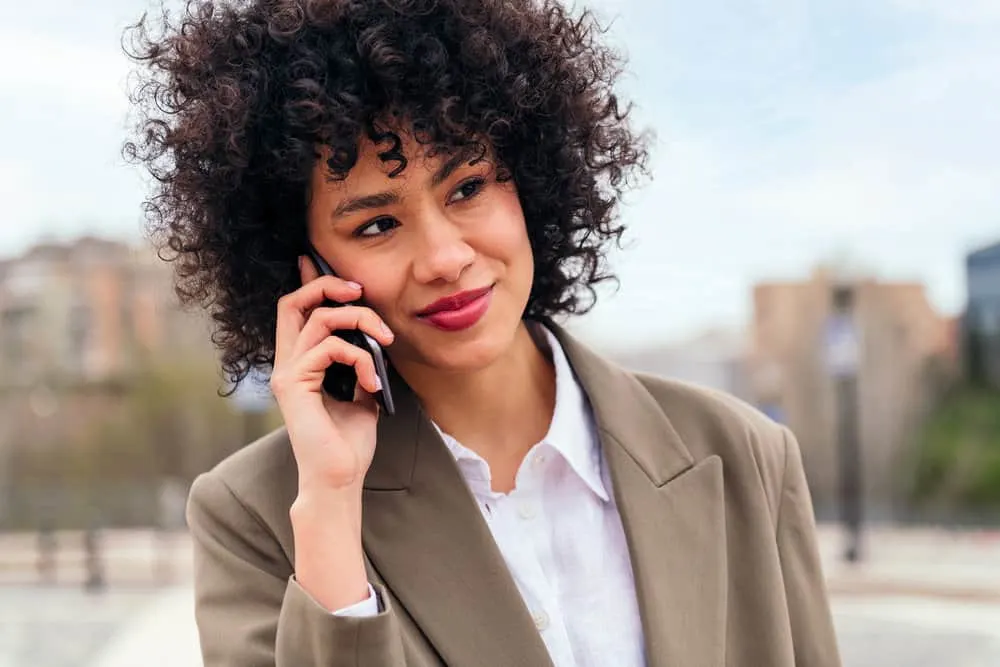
[{"x": 458, "y": 311}]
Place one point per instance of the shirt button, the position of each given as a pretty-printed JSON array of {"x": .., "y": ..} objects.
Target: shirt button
[
  {"x": 541, "y": 620},
  {"x": 526, "y": 511},
  {"x": 538, "y": 460}
]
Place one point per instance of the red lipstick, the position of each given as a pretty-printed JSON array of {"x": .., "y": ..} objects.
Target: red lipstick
[{"x": 458, "y": 311}]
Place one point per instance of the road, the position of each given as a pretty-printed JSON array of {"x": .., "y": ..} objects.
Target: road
[
  {"x": 917, "y": 632},
  {"x": 64, "y": 627}
]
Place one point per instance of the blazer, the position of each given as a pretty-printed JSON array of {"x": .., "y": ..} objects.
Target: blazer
[{"x": 712, "y": 496}]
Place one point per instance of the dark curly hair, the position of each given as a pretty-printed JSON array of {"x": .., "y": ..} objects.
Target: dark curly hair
[{"x": 234, "y": 99}]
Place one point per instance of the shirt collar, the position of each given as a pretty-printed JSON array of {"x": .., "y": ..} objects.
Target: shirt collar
[{"x": 572, "y": 431}]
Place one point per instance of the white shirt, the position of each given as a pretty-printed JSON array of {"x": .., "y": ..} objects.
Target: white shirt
[{"x": 561, "y": 535}]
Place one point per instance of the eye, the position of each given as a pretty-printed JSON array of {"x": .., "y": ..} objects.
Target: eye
[
  {"x": 376, "y": 227},
  {"x": 468, "y": 189}
]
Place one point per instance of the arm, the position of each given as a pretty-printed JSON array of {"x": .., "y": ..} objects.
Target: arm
[
  {"x": 251, "y": 613},
  {"x": 813, "y": 635}
]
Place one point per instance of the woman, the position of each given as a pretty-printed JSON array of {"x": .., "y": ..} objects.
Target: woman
[{"x": 458, "y": 164}]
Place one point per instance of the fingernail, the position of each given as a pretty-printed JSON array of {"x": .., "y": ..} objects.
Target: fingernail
[
  {"x": 378, "y": 383},
  {"x": 387, "y": 331},
  {"x": 354, "y": 285}
]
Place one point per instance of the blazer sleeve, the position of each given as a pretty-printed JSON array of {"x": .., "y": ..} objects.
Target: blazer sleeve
[
  {"x": 813, "y": 635},
  {"x": 251, "y": 613}
]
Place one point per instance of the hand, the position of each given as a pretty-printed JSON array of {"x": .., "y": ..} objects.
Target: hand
[{"x": 333, "y": 441}]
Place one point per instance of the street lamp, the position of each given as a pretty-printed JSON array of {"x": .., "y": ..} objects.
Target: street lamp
[{"x": 842, "y": 356}]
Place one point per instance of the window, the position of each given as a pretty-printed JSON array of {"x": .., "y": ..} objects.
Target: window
[
  {"x": 989, "y": 319},
  {"x": 15, "y": 339},
  {"x": 984, "y": 282},
  {"x": 78, "y": 332}
]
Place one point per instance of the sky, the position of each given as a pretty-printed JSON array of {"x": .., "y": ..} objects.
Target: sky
[{"x": 788, "y": 133}]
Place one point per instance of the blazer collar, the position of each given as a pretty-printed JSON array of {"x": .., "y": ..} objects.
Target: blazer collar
[
  {"x": 673, "y": 512},
  {"x": 427, "y": 539},
  {"x": 626, "y": 412}
]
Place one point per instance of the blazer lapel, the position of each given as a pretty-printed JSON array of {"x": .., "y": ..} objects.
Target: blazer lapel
[
  {"x": 672, "y": 511},
  {"x": 426, "y": 537}
]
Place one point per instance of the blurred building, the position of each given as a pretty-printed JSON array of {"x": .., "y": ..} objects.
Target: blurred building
[
  {"x": 982, "y": 318},
  {"x": 85, "y": 312},
  {"x": 76, "y": 320},
  {"x": 907, "y": 351}
]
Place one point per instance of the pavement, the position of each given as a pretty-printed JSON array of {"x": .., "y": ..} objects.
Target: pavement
[
  {"x": 67, "y": 627},
  {"x": 873, "y": 632},
  {"x": 943, "y": 563},
  {"x": 164, "y": 635},
  {"x": 906, "y": 631},
  {"x": 920, "y": 597}
]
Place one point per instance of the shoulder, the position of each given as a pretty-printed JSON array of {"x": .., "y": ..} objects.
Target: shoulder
[
  {"x": 754, "y": 449},
  {"x": 253, "y": 488},
  {"x": 257, "y": 464}
]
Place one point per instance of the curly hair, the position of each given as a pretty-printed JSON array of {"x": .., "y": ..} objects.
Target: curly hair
[{"x": 234, "y": 99}]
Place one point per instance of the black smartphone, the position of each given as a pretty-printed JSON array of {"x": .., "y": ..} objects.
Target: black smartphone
[{"x": 340, "y": 379}]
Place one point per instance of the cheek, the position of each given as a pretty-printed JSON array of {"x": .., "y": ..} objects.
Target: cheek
[
  {"x": 508, "y": 235},
  {"x": 383, "y": 298},
  {"x": 520, "y": 257},
  {"x": 380, "y": 286}
]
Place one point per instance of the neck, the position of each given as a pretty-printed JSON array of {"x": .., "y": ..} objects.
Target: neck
[{"x": 499, "y": 411}]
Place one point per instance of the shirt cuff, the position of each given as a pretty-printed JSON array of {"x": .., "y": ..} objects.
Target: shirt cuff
[{"x": 363, "y": 609}]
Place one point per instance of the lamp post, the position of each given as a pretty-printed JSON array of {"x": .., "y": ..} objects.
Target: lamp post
[{"x": 842, "y": 352}]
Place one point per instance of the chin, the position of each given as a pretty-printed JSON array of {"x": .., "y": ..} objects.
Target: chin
[
  {"x": 471, "y": 354},
  {"x": 470, "y": 350}
]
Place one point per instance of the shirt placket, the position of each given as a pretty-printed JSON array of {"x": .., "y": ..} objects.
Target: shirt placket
[{"x": 528, "y": 513}]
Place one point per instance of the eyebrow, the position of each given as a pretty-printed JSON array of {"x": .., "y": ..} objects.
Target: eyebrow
[
  {"x": 449, "y": 167},
  {"x": 390, "y": 197},
  {"x": 355, "y": 204}
]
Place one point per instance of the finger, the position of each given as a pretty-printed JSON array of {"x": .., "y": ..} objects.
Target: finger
[
  {"x": 312, "y": 365},
  {"x": 294, "y": 309},
  {"x": 326, "y": 320},
  {"x": 366, "y": 399}
]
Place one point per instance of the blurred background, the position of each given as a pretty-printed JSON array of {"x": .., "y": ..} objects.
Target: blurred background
[{"x": 821, "y": 238}]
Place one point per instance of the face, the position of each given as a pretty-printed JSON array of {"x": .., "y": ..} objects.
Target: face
[{"x": 441, "y": 251}]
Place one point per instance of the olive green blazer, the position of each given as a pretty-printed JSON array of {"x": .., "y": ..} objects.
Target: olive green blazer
[{"x": 712, "y": 496}]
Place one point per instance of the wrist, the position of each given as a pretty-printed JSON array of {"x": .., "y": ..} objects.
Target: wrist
[
  {"x": 329, "y": 556},
  {"x": 320, "y": 511},
  {"x": 318, "y": 495}
]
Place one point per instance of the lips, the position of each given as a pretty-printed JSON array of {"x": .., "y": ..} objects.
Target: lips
[
  {"x": 458, "y": 311},
  {"x": 454, "y": 302}
]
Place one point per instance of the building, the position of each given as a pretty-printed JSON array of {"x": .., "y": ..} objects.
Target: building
[
  {"x": 982, "y": 319},
  {"x": 77, "y": 321},
  {"x": 906, "y": 351},
  {"x": 85, "y": 312}
]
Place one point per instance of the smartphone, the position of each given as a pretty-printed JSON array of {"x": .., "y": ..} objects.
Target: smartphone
[{"x": 340, "y": 379}]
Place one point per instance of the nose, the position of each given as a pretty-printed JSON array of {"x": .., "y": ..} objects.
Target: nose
[{"x": 444, "y": 253}]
